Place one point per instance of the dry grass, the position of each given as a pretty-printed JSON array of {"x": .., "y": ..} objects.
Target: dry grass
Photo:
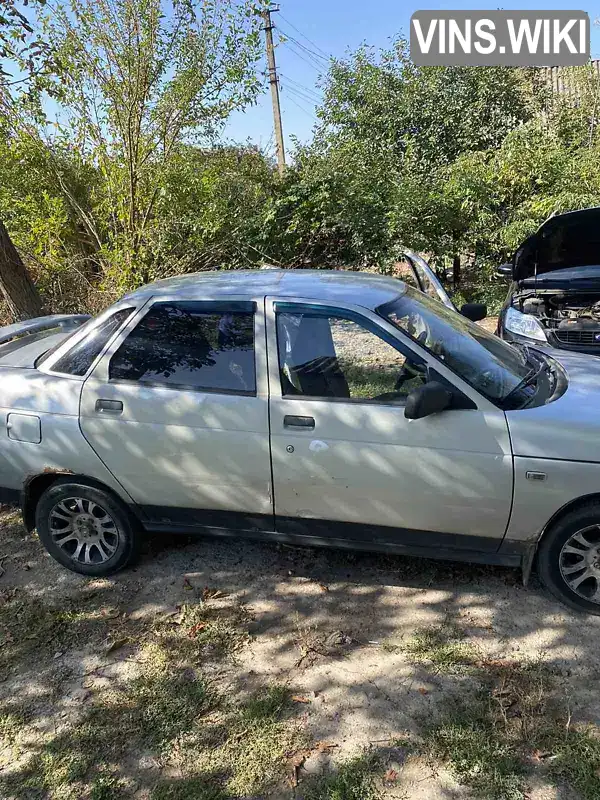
[
  {"x": 511, "y": 720},
  {"x": 169, "y": 706}
]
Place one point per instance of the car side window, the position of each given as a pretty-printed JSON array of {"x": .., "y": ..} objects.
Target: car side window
[
  {"x": 332, "y": 356},
  {"x": 81, "y": 356},
  {"x": 191, "y": 345}
]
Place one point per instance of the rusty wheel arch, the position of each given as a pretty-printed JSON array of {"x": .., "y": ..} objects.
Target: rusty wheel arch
[{"x": 35, "y": 485}]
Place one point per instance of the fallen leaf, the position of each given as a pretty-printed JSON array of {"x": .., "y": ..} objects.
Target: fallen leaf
[
  {"x": 115, "y": 645},
  {"x": 325, "y": 747},
  {"x": 539, "y": 755},
  {"x": 391, "y": 776},
  {"x": 110, "y": 613},
  {"x": 212, "y": 594},
  {"x": 298, "y": 698},
  {"x": 299, "y": 758},
  {"x": 196, "y": 629}
]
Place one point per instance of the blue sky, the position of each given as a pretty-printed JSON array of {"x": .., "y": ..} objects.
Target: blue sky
[{"x": 333, "y": 27}]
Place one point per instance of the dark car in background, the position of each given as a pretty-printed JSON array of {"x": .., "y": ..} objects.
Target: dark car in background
[{"x": 554, "y": 296}]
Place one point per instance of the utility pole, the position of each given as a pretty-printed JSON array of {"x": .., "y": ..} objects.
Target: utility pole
[{"x": 274, "y": 87}]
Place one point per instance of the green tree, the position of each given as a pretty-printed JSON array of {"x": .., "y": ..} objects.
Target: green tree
[
  {"x": 134, "y": 82},
  {"x": 29, "y": 56},
  {"x": 374, "y": 175}
]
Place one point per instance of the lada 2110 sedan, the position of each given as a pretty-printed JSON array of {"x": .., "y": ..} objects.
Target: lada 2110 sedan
[{"x": 313, "y": 407}]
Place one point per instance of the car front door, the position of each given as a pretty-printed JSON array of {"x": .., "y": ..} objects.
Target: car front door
[
  {"x": 347, "y": 464},
  {"x": 178, "y": 411}
]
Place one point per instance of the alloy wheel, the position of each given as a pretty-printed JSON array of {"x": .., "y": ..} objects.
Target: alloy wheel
[
  {"x": 84, "y": 530},
  {"x": 579, "y": 563}
]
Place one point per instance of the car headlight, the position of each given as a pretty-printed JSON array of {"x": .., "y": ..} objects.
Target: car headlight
[{"x": 524, "y": 325}]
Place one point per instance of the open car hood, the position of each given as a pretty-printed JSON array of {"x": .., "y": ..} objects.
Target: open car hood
[{"x": 564, "y": 242}]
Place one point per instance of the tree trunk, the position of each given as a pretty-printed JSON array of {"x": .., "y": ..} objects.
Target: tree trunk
[
  {"x": 16, "y": 285},
  {"x": 456, "y": 272}
]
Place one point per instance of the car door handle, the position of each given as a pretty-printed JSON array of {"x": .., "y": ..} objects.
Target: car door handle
[
  {"x": 109, "y": 406},
  {"x": 291, "y": 421}
]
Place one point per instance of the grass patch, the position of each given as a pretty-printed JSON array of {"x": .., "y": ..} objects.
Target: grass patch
[
  {"x": 515, "y": 724},
  {"x": 32, "y": 630},
  {"x": 442, "y": 646},
  {"x": 355, "y": 779},
  {"x": 169, "y": 708},
  {"x": 188, "y": 789},
  {"x": 478, "y": 756},
  {"x": 14, "y": 717},
  {"x": 108, "y": 788},
  {"x": 247, "y": 743},
  {"x": 577, "y": 761}
]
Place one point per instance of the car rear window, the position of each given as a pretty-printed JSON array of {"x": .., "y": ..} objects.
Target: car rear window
[
  {"x": 204, "y": 346},
  {"x": 81, "y": 356}
]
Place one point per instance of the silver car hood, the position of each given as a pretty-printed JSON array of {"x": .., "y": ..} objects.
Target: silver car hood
[{"x": 568, "y": 428}]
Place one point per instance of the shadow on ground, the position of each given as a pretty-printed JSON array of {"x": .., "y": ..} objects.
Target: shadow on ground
[{"x": 146, "y": 684}]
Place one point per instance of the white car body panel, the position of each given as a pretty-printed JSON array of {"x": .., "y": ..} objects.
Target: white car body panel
[
  {"x": 537, "y": 501},
  {"x": 188, "y": 450},
  {"x": 569, "y": 427},
  {"x": 62, "y": 448},
  {"x": 366, "y": 463}
]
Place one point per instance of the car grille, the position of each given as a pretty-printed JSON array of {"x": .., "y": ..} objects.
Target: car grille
[{"x": 587, "y": 338}]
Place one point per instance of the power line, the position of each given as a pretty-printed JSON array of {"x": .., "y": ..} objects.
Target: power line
[
  {"x": 308, "y": 113},
  {"x": 305, "y": 89},
  {"x": 317, "y": 67},
  {"x": 299, "y": 94},
  {"x": 304, "y": 36},
  {"x": 311, "y": 53}
]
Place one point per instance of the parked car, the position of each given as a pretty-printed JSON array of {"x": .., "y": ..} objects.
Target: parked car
[
  {"x": 554, "y": 297},
  {"x": 310, "y": 407}
]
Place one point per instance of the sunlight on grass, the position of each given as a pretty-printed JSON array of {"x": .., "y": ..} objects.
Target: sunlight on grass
[
  {"x": 170, "y": 707},
  {"x": 515, "y": 722},
  {"x": 443, "y": 646},
  {"x": 352, "y": 780}
]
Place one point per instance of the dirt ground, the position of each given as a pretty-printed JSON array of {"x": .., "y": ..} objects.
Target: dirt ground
[{"x": 371, "y": 651}]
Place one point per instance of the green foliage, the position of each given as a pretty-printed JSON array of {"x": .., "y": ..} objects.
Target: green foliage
[
  {"x": 141, "y": 90},
  {"x": 127, "y": 179}
]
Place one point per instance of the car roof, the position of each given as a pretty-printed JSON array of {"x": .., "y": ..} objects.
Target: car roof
[{"x": 369, "y": 290}]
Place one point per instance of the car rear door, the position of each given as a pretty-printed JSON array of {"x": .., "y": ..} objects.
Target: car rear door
[
  {"x": 346, "y": 462},
  {"x": 178, "y": 411}
]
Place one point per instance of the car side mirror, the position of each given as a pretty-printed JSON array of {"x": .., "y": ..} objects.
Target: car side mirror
[
  {"x": 430, "y": 398},
  {"x": 474, "y": 311},
  {"x": 505, "y": 270}
]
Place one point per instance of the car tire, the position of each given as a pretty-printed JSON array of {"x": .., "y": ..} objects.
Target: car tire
[
  {"x": 569, "y": 558},
  {"x": 86, "y": 529}
]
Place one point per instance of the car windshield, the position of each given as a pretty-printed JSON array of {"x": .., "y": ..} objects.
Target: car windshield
[{"x": 483, "y": 360}]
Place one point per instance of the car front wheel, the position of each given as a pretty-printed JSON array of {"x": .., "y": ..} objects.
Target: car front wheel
[
  {"x": 569, "y": 559},
  {"x": 86, "y": 529}
]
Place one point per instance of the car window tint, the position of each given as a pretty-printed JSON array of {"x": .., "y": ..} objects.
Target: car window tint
[
  {"x": 80, "y": 358},
  {"x": 330, "y": 356},
  {"x": 194, "y": 345}
]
